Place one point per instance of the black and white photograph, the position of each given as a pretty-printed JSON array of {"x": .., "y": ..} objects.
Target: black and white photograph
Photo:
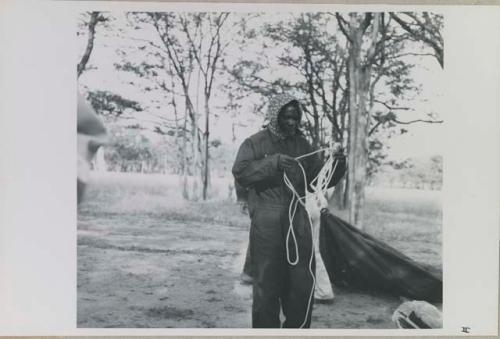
[
  {"x": 265, "y": 169},
  {"x": 239, "y": 169}
]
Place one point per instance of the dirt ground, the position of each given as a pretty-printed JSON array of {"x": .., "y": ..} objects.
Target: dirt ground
[{"x": 147, "y": 268}]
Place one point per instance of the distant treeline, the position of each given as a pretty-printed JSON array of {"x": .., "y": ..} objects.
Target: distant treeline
[
  {"x": 419, "y": 173},
  {"x": 130, "y": 152}
]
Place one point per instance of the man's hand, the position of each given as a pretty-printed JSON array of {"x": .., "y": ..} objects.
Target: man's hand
[
  {"x": 286, "y": 162},
  {"x": 340, "y": 157},
  {"x": 243, "y": 207},
  {"x": 338, "y": 154},
  {"x": 337, "y": 148}
]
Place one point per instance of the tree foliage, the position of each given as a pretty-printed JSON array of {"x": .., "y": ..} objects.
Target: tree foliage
[
  {"x": 423, "y": 27},
  {"x": 180, "y": 60},
  {"x": 90, "y": 26},
  {"x": 353, "y": 73},
  {"x": 111, "y": 104}
]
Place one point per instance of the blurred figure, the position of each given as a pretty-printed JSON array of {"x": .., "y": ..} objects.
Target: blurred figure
[{"x": 91, "y": 135}]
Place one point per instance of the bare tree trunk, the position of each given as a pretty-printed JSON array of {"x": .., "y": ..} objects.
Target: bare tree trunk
[
  {"x": 359, "y": 112},
  {"x": 195, "y": 164},
  {"x": 206, "y": 172},
  {"x": 179, "y": 147},
  {"x": 206, "y": 59},
  {"x": 94, "y": 20},
  {"x": 337, "y": 198},
  {"x": 184, "y": 155},
  {"x": 346, "y": 191},
  {"x": 354, "y": 124}
]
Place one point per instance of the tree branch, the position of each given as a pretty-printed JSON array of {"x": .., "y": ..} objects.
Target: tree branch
[
  {"x": 423, "y": 26},
  {"x": 417, "y": 120},
  {"x": 438, "y": 50},
  {"x": 341, "y": 22},
  {"x": 396, "y": 56},
  {"x": 392, "y": 108},
  {"x": 185, "y": 28},
  {"x": 95, "y": 18},
  {"x": 366, "y": 22},
  {"x": 375, "y": 127}
]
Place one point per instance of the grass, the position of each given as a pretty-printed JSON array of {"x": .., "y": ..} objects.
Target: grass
[
  {"x": 409, "y": 220},
  {"x": 131, "y": 194},
  {"x": 148, "y": 258}
]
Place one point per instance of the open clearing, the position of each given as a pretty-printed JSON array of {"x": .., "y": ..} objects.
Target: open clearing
[{"x": 147, "y": 258}]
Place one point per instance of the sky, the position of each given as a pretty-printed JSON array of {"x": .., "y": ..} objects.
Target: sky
[{"x": 422, "y": 140}]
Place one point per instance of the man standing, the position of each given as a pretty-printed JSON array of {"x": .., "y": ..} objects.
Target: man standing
[{"x": 261, "y": 161}]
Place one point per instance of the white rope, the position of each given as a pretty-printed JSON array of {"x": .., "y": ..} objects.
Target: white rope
[
  {"x": 319, "y": 185},
  {"x": 313, "y": 152}
]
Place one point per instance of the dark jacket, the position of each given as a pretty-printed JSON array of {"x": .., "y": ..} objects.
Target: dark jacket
[
  {"x": 276, "y": 283},
  {"x": 256, "y": 168}
]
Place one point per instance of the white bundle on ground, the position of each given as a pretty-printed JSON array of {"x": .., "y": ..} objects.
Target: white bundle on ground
[
  {"x": 417, "y": 314},
  {"x": 315, "y": 202}
]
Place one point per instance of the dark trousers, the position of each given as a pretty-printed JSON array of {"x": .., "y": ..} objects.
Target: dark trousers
[
  {"x": 247, "y": 267},
  {"x": 277, "y": 284}
]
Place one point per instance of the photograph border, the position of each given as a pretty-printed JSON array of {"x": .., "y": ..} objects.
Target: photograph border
[{"x": 454, "y": 200}]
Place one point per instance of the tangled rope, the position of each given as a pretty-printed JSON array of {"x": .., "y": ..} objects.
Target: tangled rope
[{"x": 319, "y": 186}]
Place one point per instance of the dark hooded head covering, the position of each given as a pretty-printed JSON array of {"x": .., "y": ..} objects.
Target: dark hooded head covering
[{"x": 275, "y": 106}]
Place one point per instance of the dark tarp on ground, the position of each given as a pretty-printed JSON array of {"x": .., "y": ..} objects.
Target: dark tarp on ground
[{"x": 357, "y": 260}]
